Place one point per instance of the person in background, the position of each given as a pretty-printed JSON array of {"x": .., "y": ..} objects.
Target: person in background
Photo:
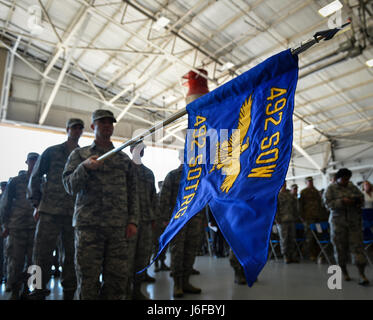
[
  {"x": 310, "y": 209},
  {"x": 2, "y": 256},
  {"x": 19, "y": 226},
  {"x": 286, "y": 217},
  {"x": 53, "y": 212},
  {"x": 344, "y": 200},
  {"x": 368, "y": 194},
  {"x": 140, "y": 246}
]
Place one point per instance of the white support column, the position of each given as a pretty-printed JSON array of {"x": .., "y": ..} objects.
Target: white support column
[{"x": 8, "y": 70}]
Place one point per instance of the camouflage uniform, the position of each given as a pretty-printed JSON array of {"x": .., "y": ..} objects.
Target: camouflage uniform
[
  {"x": 56, "y": 207},
  {"x": 2, "y": 241},
  {"x": 345, "y": 223},
  {"x": 159, "y": 229},
  {"x": 310, "y": 207},
  {"x": 184, "y": 245},
  {"x": 286, "y": 217},
  {"x": 140, "y": 246},
  {"x": 239, "y": 273},
  {"x": 106, "y": 202},
  {"x": 16, "y": 216}
]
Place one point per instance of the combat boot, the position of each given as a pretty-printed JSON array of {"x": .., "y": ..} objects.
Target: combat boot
[
  {"x": 188, "y": 288},
  {"x": 15, "y": 293},
  {"x": 164, "y": 267},
  {"x": 137, "y": 294},
  {"x": 239, "y": 277},
  {"x": 345, "y": 273},
  {"x": 148, "y": 278},
  {"x": 194, "y": 271},
  {"x": 156, "y": 266},
  {"x": 178, "y": 287},
  {"x": 362, "y": 278},
  {"x": 38, "y": 294},
  {"x": 68, "y": 294}
]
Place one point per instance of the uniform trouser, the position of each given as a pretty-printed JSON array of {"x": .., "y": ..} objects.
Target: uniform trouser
[
  {"x": 184, "y": 248},
  {"x": 19, "y": 253},
  {"x": 235, "y": 264},
  {"x": 287, "y": 234},
  {"x": 140, "y": 249},
  {"x": 48, "y": 230},
  {"x": 347, "y": 236},
  {"x": 101, "y": 250},
  {"x": 156, "y": 234},
  {"x": 311, "y": 247},
  {"x": 1, "y": 258}
]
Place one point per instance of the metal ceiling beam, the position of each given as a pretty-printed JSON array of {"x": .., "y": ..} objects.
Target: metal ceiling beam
[
  {"x": 81, "y": 26},
  {"x": 125, "y": 110},
  {"x": 69, "y": 33},
  {"x": 155, "y": 46}
]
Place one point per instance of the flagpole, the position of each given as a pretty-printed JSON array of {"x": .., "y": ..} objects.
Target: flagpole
[{"x": 321, "y": 35}]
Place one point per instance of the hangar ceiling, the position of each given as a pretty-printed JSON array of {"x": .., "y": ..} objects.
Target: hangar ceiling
[{"x": 72, "y": 57}]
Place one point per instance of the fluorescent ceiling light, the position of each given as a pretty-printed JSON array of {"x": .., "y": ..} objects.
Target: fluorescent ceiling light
[
  {"x": 169, "y": 99},
  {"x": 161, "y": 23},
  {"x": 309, "y": 127},
  {"x": 111, "y": 68},
  {"x": 369, "y": 63},
  {"x": 227, "y": 66},
  {"x": 330, "y": 8}
]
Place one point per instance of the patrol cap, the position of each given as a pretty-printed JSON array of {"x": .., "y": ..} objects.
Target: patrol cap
[
  {"x": 309, "y": 179},
  {"x": 73, "y": 121},
  {"x": 101, "y": 113},
  {"x": 32, "y": 155},
  {"x": 294, "y": 186},
  {"x": 344, "y": 172}
]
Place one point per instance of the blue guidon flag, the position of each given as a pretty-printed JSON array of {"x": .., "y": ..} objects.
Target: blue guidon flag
[{"x": 236, "y": 157}]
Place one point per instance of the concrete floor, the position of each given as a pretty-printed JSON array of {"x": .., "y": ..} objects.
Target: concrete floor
[{"x": 277, "y": 281}]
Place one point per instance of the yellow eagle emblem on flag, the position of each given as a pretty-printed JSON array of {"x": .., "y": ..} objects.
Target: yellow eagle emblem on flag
[{"x": 227, "y": 155}]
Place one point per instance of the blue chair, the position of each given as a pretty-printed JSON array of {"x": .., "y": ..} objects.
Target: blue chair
[
  {"x": 274, "y": 242},
  {"x": 367, "y": 231},
  {"x": 299, "y": 237},
  {"x": 321, "y": 233}
]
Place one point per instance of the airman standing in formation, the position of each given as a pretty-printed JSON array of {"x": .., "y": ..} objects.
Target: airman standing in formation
[
  {"x": 106, "y": 213},
  {"x": 2, "y": 241},
  {"x": 53, "y": 212},
  {"x": 286, "y": 217},
  {"x": 161, "y": 224},
  {"x": 344, "y": 200},
  {"x": 184, "y": 246},
  {"x": 19, "y": 227},
  {"x": 141, "y": 244},
  {"x": 310, "y": 207}
]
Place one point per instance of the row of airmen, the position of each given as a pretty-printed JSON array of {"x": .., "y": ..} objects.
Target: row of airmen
[
  {"x": 105, "y": 218},
  {"x": 88, "y": 209},
  {"x": 341, "y": 205}
]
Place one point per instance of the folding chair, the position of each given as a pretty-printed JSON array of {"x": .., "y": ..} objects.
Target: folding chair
[
  {"x": 299, "y": 237},
  {"x": 274, "y": 242},
  {"x": 367, "y": 232},
  {"x": 320, "y": 231}
]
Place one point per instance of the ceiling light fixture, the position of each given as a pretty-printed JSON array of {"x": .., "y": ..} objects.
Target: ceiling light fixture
[
  {"x": 331, "y": 8},
  {"x": 161, "y": 23},
  {"x": 309, "y": 127},
  {"x": 227, "y": 66},
  {"x": 369, "y": 63}
]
